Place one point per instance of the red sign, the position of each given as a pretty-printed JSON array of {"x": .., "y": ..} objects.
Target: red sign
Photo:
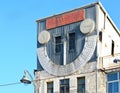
[{"x": 65, "y": 19}]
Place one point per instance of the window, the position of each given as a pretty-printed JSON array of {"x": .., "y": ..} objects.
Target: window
[
  {"x": 119, "y": 75},
  {"x": 113, "y": 82},
  {"x": 112, "y": 49},
  {"x": 58, "y": 46},
  {"x": 112, "y": 76},
  {"x": 42, "y": 25},
  {"x": 81, "y": 85},
  {"x": 64, "y": 86},
  {"x": 71, "y": 41},
  {"x": 64, "y": 46},
  {"x": 58, "y": 50},
  {"x": 100, "y": 36},
  {"x": 50, "y": 87}
]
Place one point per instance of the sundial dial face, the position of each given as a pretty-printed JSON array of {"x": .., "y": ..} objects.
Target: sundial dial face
[{"x": 80, "y": 60}]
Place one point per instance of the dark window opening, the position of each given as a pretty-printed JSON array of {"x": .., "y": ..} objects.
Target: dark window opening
[
  {"x": 71, "y": 41},
  {"x": 64, "y": 86},
  {"x": 58, "y": 44},
  {"x": 112, "y": 48},
  {"x": 100, "y": 36},
  {"x": 81, "y": 85},
  {"x": 50, "y": 87}
]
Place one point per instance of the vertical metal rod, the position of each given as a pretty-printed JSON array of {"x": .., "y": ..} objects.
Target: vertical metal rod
[{"x": 64, "y": 52}]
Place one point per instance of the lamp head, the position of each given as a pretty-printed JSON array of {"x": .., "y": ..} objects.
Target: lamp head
[
  {"x": 116, "y": 60},
  {"x": 25, "y": 80}
]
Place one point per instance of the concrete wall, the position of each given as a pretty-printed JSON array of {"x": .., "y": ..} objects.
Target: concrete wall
[
  {"x": 88, "y": 71},
  {"x": 109, "y": 33}
]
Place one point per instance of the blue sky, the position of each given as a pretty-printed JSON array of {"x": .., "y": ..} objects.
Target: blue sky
[{"x": 18, "y": 35}]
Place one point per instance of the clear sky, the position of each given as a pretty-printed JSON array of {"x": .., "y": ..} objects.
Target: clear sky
[{"x": 18, "y": 35}]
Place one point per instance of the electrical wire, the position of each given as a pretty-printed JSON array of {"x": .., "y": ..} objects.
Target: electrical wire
[{"x": 1, "y": 85}]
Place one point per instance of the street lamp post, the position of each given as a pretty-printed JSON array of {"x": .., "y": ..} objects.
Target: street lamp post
[{"x": 25, "y": 79}]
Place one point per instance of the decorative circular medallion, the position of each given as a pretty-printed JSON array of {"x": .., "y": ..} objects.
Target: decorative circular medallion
[
  {"x": 44, "y": 37},
  {"x": 62, "y": 70},
  {"x": 87, "y": 26}
]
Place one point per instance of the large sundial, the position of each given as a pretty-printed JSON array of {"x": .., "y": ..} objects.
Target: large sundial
[{"x": 86, "y": 27}]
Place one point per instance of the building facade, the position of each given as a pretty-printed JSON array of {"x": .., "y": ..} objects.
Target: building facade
[{"x": 78, "y": 51}]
